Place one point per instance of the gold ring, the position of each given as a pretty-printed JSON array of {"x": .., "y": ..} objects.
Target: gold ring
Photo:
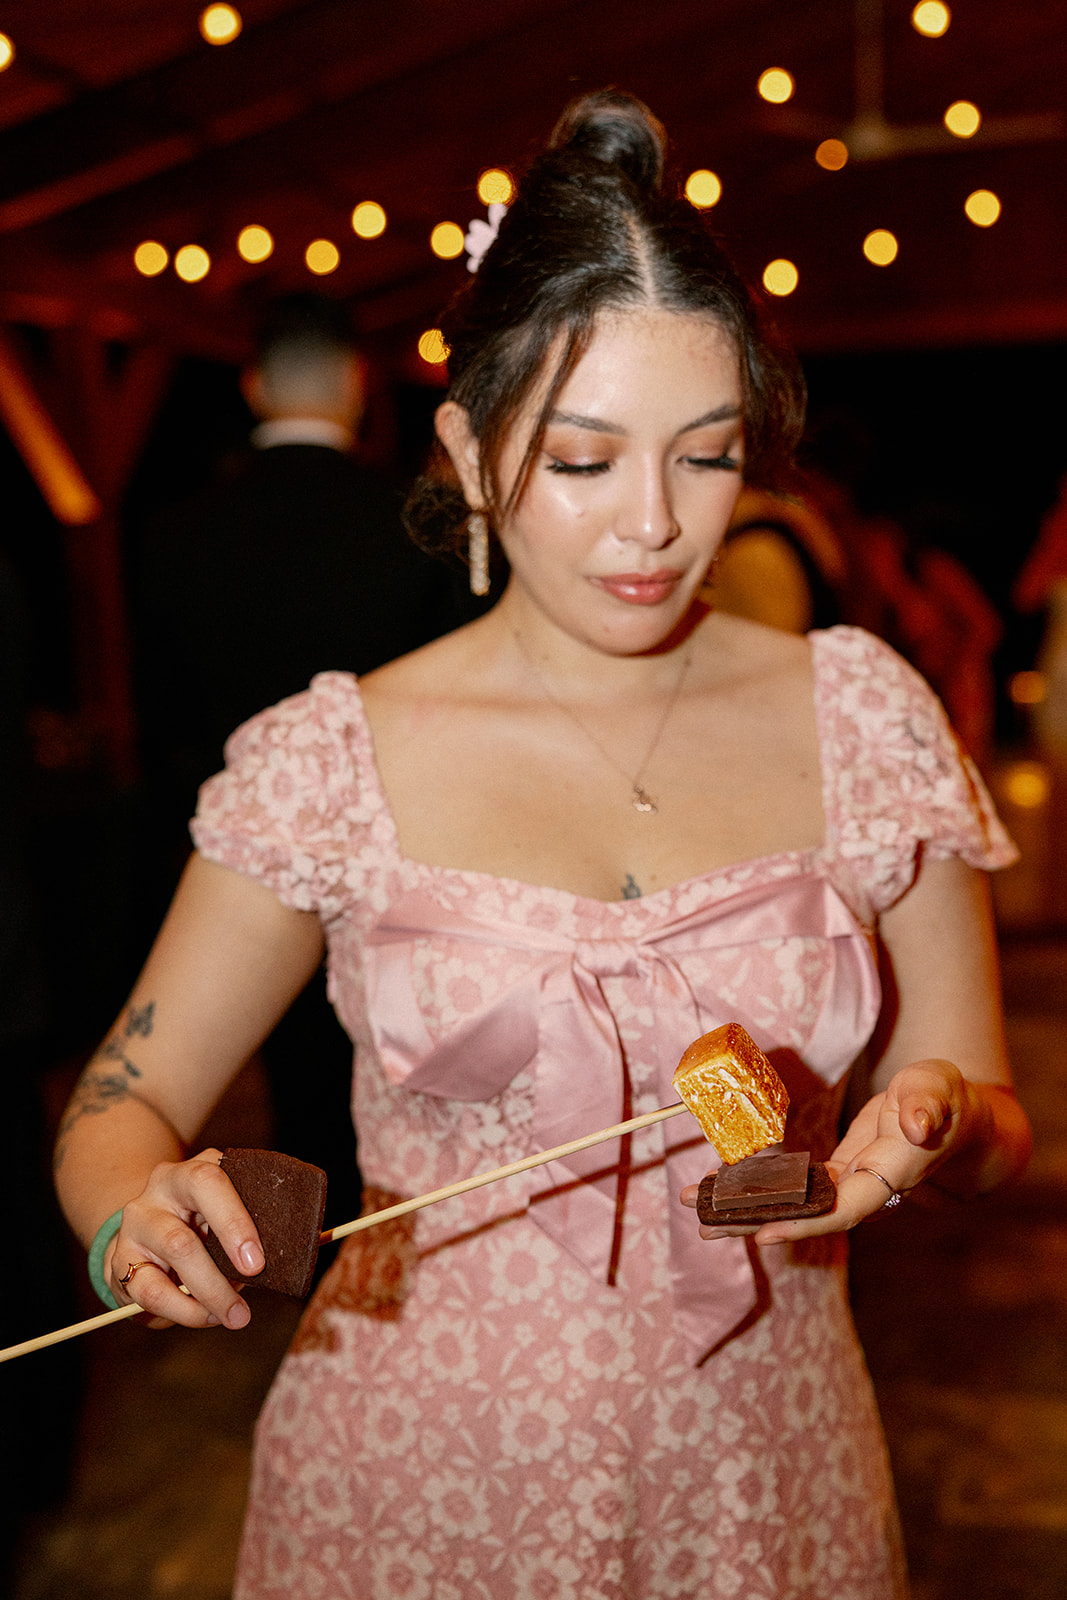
[
  {"x": 133, "y": 1267},
  {"x": 894, "y": 1196}
]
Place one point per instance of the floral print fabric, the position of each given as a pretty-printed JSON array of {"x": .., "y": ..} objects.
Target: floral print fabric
[{"x": 468, "y": 1410}]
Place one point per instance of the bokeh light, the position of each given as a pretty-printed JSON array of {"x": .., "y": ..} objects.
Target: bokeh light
[
  {"x": 703, "y": 189},
  {"x": 322, "y": 256},
  {"x": 1026, "y": 784},
  {"x": 495, "y": 187},
  {"x": 780, "y": 277},
  {"x": 776, "y": 85},
  {"x": 446, "y": 240},
  {"x": 151, "y": 258},
  {"x": 432, "y": 347},
  {"x": 963, "y": 118},
  {"x": 368, "y": 219},
  {"x": 192, "y": 263},
  {"x": 1027, "y": 688},
  {"x": 983, "y": 207},
  {"x": 7, "y": 51},
  {"x": 880, "y": 247},
  {"x": 931, "y": 18},
  {"x": 832, "y": 154},
  {"x": 220, "y": 24},
  {"x": 254, "y": 243}
]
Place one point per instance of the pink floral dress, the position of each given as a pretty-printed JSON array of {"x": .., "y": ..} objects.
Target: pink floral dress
[{"x": 552, "y": 1388}]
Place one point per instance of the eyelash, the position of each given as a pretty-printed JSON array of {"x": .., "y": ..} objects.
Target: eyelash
[{"x": 590, "y": 469}]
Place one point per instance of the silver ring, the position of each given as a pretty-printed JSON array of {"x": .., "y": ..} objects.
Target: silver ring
[{"x": 894, "y": 1197}]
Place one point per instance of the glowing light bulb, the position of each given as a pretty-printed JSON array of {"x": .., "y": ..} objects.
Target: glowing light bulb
[
  {"x": 220, "y": 24},
  {"x": 880, "y": 247},
  {"x": 254, "y": 243},
  {"x": 495, "y": 187},
  {"x": 780, "y": 277},
  {"x": 368, "y": 219},
  {"x": 776, "y": 85},
  {"x": 322, "y": 256},
  {"x": 7, "y": 51},
  {"x": 832, "y": 154},
  {"x": 192, "y": 263},
  {"x": 963, "y": 119},
  {"x": 931, "y": 18},
  {"x": 983, "y": 207},
  {"x": 703, "y": 189},
  {"x": 150, "y": 258},
  {"x": 446, "y": 241},
  {"x": 432, "y": 347}
]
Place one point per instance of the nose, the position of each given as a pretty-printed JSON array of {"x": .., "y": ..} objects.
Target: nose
[{"x": 648, "y": 517}]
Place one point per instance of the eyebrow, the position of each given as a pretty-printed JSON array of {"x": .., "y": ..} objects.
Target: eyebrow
[{"x": 575, "y": 419}]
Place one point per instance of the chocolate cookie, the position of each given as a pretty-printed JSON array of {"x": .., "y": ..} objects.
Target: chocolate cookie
[{"x": 821, "y": 1194}]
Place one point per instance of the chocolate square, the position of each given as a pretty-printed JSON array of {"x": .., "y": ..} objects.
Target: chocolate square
[{"x": 771, "y": 1177}]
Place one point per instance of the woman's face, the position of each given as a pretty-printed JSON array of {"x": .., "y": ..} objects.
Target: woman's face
[{"x": 632, "y": 490}]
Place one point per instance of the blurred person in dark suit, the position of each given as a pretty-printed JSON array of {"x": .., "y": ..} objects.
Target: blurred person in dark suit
[{"x": 297, "y": 565}]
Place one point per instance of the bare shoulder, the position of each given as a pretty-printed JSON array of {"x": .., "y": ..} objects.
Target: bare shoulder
[{"x": 751, "y": 658}]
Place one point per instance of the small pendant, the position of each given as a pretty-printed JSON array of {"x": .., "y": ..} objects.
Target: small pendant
[{"x": 643, "y": 801}]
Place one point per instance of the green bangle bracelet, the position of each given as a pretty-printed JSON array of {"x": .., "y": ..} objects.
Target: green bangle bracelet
[{"x": 104, "y": 1235}]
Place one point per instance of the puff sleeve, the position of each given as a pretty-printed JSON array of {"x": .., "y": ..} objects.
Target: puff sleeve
[
  {"x": 897, "y": 783},
  {"x": 289, "y": 808}
]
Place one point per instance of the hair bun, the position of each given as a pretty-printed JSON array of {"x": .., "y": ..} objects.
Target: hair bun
[{"x": 617, "y": 129}]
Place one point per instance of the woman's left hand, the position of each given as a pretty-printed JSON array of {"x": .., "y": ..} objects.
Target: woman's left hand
[{"x": 929, "y": 1115}]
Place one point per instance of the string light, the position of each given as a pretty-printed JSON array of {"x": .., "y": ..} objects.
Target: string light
[
  {"x": 931, "y": 19},
  {"x": 192, "y": 263},
  {"x": 1027, "y": 688},
  {"x": 7, "y": 51},
  {"x": 150, "y": 258},
  {"x": 254, "y": 243},
  {"x": 780, "y": 277},
  {"x": 495, "y": 187},
  {"x": 963, "y": 119},
  {"x": 703, "y": 189},
  {"x": 832, "y": 154},
  {"x": 880, "y": 247},
  {"x": 220, "y": 24},
  {"x": 446, "y": 241},
  {"x": 776, "y": 85},
  {"x": 432, "y": 347},
  {"x": 322, "y": 256},
  {"x": 368, "y": 219},
  {"x": 983, "y": 208},
  {"x": 1027, "y": 785}
]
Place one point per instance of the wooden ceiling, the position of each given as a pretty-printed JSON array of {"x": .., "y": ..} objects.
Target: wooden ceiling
[{"x": 118, "y": 123}]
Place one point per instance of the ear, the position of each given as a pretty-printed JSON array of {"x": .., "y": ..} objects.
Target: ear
[{"x": 454, "y": 431}]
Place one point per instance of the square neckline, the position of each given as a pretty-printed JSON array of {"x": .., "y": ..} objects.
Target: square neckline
[{"x": 472, "y": 877}]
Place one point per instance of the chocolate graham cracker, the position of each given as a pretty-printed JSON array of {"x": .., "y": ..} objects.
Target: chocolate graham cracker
[
  {"x": 286, "y": 1199},
  {"x": 749, "y": 1184}
]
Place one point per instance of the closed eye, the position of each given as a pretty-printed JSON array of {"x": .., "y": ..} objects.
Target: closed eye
[
  {"x": 723, "y": 463},
  {"x": 578, "y": 468}
]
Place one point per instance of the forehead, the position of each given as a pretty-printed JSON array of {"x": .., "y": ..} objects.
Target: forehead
[{"x": 642, "y": 358}]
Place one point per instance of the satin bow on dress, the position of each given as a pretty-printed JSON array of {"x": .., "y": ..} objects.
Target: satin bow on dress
[{"x": 557, "y": 1017}]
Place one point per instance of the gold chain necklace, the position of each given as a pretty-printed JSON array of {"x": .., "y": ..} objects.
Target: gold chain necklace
[{"x": 640, "y": 798}]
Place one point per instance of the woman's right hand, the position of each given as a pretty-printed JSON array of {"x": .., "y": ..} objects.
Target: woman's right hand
[{"x": 162, "y": 1237}]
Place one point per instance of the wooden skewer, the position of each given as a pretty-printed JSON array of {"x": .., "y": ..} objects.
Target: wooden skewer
[{"x": 371, "y": 1220}]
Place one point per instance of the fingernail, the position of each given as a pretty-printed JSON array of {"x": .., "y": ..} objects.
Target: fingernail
[
  {"x": 238, "y": 1315},
  {"x": 923, "y": 1119},
  {"x": 251, "y": 1257},
  {"x": 212, "y": 1320}
]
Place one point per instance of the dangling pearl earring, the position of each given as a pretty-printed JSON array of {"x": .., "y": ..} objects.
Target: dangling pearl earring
[{"x": 478, "y": 552}]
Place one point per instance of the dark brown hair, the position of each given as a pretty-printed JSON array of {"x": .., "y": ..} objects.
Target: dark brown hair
[{"x": 593, "y": 226}]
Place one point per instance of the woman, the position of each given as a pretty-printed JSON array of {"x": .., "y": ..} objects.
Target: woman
[{"x": 545, "y": 853}]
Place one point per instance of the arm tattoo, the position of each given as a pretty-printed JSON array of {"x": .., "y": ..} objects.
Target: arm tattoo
[{"x": 98, "y": 1089}]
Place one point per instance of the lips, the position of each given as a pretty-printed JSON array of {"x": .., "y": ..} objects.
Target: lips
[{"x": 640, "y": 588}]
